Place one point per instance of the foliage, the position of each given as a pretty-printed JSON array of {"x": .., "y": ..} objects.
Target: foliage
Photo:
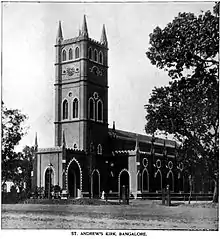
[
  {"x": 187, "y": 49},
  {"x": 39, "y": 192},
  {"x": 12, "y": 132},
  {"x": 27, "y": 165},
  {"x": 57, "y": 188},
  {"x": 188, "y": 46},
  {"x": 23, "y": 166}
]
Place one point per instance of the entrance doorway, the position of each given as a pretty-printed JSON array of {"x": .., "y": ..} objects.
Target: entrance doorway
[
  {"x": 95, "y": 184},
  {"x": 73, "y": 179},
  {"x": 124, "y": 181},
  {"x": 49, "y": 178}
]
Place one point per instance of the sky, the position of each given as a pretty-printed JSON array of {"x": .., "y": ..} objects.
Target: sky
[{"x": 28, "y": 54}]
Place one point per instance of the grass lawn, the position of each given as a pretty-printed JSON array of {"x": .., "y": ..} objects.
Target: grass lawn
[{"x": 140, "y": 214}]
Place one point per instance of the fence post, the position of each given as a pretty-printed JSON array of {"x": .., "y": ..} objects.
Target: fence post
[
  {"x": 168, "y": 196},
  {"x": 163, "y": 196},
  {"x": 127, "y": 194}
]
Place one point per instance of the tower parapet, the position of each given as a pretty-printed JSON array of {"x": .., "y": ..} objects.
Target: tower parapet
[
  {"x": 83, "y": 35},
  {"x": 81, "y": 38}
]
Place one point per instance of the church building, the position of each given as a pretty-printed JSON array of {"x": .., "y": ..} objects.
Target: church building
[{"x": 88, "y": 157}]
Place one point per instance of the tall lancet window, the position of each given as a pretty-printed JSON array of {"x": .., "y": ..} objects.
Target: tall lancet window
[
  {"x": 77, "y": 52},
  {"x": 70, "y": 54},
  {"x": 95, "y": 55},
  {"x": 90, "y": 53},
  {"x": 99, "y": 111},
  {"x": 64, "y": 55},
  {"x": 100, "y": 58},
  {"x": 91, "y": 109},
  {"x": 75, "y": 108},
  {"x": 65, "y": 109}
]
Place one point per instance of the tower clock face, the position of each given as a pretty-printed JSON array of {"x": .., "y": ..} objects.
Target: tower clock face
[{"x": 70, "y": 71}]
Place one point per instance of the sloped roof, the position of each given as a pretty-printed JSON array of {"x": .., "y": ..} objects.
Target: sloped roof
[{"x": 141, "y": 138}]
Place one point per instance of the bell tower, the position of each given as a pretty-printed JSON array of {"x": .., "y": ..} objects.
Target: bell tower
[{"x": 81, "y": 90}]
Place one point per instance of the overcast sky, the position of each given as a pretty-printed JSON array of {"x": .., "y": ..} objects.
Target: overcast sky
[{"x": 29, "y": 33}]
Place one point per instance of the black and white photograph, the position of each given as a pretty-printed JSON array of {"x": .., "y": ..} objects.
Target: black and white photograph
[{"x": 110, "y": 117}]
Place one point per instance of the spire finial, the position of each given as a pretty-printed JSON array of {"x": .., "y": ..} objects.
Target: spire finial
[
  {"x": 104, "y": 37},
  {"x": 59, "y": 33},
  {"x": 35, "y": 143},
  {"x": 64, "y": 140},
  {"x": 113, "y": 125},
  {"x": 84, "y": 31}
]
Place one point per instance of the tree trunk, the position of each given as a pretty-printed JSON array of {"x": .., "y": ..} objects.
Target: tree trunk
[
  {"x": 215, "y": 193},
  {"x": 190, "y": 188}
]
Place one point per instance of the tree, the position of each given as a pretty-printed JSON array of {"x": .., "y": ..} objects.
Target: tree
[
  {"x": 28, "y": 157},
  {"x": 12, "y": 132},
  {"x": 23, "y": 166},
  {"x": 187, "y": 49}
]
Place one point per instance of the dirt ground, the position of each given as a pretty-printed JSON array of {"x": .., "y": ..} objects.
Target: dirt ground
[{"x": 140, "y": 214}]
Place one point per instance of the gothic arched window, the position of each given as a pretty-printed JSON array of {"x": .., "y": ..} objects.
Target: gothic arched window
[
  {"x": 77, "y": 52},
  {"x": 145, "y": 180},
  {"x": 91, "y": 108},
  {"x": 99, "y": 149},
  {"x": 95, "y": 55},
  {"x": 64, "y": 55},
  {"x": 49, "y": 179},
  {"x": 70, "y": 54},
  {"x": 90, "y": 53},
  {"x": 75, "y": 108},
  {"x": 100, "y": 57},
  {"x": 65, "y": 109},
  {"x": 99, "y": 111}
]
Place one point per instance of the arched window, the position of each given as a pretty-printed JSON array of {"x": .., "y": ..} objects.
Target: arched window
[
  {"x": 90, "y": 53},
  {"x": 64, "y": 55},
  {"x": 65, "y": 109},
  {"x": 145, "y": 180},
  {"x": 99, "y": 111},
  {"x": 49, "y": 181},
  {"x": 95, "y": 55},
  {"x": 91, "y": 108},
  {"x": 77, "y": 52},
  {"x": 70, "y": 54},
  {"x": 75, "y": 108},
  {"x": 100, "y": 58},
  {"x": 99, "y": 149}
]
